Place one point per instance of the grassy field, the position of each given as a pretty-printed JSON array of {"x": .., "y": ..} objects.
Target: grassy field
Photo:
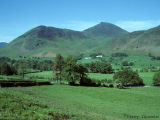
[
  {"x": 146, "y": 76},
  {"x": 5, "y": 77},
  {"x": 60, "y": 102},
  {"x": 83, "y": 103},
  {"x": 140, "y": 62},
  {"x": 48, "y": 75},
  {"x": 44, "y": 76}
]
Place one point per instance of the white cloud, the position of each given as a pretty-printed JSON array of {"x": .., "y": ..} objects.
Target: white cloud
[
  {"x": 6, "y": 38},
  {"x": 137, "y": 25}
]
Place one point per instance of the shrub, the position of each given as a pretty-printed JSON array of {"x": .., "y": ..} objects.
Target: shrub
[
  {"x": 156, "y": 79},
  {"x": 131, "y": 63},
  {"x": 111, "y": 85},
  {"x": 125, "y": 63},
  {"x": 104, "y": 85},
  {"x": 127, "y": 77},
  {"x": 120, "y": 86},
  {"x": 88, "y": 82},
  {"x": 72, "y": 83}
]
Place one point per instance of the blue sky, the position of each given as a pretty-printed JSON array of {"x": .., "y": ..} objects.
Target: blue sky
[{"x": 19, "y": 16}]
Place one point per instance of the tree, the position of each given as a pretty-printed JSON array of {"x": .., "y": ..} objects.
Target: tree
[
  {"x": 81, "y": 70},
  {"x": 58, "y": 66},
  {"x": 5, "y": 69},
  {"x": 100, "y": 67},
  {"x": 73, "y": 72},
  {"x": 14, "y": 70},
  {"x": 156, "y": 79},
  {"x": 127, "y": 77},
  {"x": 22, "y": 68},
  {"x": 69, "y": 71}
]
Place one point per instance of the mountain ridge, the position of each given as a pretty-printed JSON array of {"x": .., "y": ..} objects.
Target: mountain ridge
[
  {"x": 44, "y": 41},
  {"x": 137, "y": 42}
]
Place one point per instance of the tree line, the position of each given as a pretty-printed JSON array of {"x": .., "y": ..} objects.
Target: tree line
[
  {"x": 74, "y": 72},
  {"x": 22, "y": 66},
  {"x": 100, "y": 67}
]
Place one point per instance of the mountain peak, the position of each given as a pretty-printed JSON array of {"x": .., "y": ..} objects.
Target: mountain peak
[
  {"x": 105, "y": 29},
  {"x": 105, "y": 23}
]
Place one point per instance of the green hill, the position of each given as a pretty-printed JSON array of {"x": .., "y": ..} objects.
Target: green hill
[
  {"x": 44, "y": 41},
  {"x": 138, "y": 42}
]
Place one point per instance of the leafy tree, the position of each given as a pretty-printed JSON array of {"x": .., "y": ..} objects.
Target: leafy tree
[
  {"x": 22, "y": 68},
  {"x": 156, "y": 79},
  {"x": 81, "y": 70},
  {"x": 127, "y": 77},
  {"x": 73, "y": 72},
  {"x": 14, "y": 70},
  {"x": 58, "y": 66},
  {"x": 69, "y": 71},
  {"x": 5, "y": 69}
]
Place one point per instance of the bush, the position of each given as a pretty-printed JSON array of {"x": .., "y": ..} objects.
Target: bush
[
  {"x": 125, "y": 63},
  {"x": 72, "y": 83},
  {"x": 104, "y": 85},
  {"x": 120, "y": 86},
  {"x": 127, "y": 77},
  {"x": 156, "y": 79},
  {"x": 131, "y": 64},
  {"x": 111, "y": 85},
  {"x": 88, "y": 82}
]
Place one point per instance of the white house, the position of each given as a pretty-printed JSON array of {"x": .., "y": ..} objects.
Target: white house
[
  {"x": 87, "y": 58},
  {"x": 99, "y": 56}
]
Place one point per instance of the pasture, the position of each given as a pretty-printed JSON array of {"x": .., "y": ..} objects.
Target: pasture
[
  {"x": 83, "y": 103},
  {"x": 48, "y": 75},
  {"x": 86, "y": 103}
]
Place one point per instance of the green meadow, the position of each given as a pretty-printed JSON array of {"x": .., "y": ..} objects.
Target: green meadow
[
  {"x": 60, "y": 102},
  {"x": 85, "y": 103},
  {"x": 48, "y": 75}
]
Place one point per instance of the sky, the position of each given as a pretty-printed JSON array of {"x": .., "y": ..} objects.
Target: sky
[{"x": 19, "y": 16}]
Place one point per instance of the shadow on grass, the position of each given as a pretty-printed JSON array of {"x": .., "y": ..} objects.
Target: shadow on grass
[{"x": 22, "y": 83}]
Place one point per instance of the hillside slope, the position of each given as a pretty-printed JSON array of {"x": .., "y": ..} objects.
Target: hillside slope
[
  {"x": 138, "y": 42},
  {"x": 44, "y": 41}
]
